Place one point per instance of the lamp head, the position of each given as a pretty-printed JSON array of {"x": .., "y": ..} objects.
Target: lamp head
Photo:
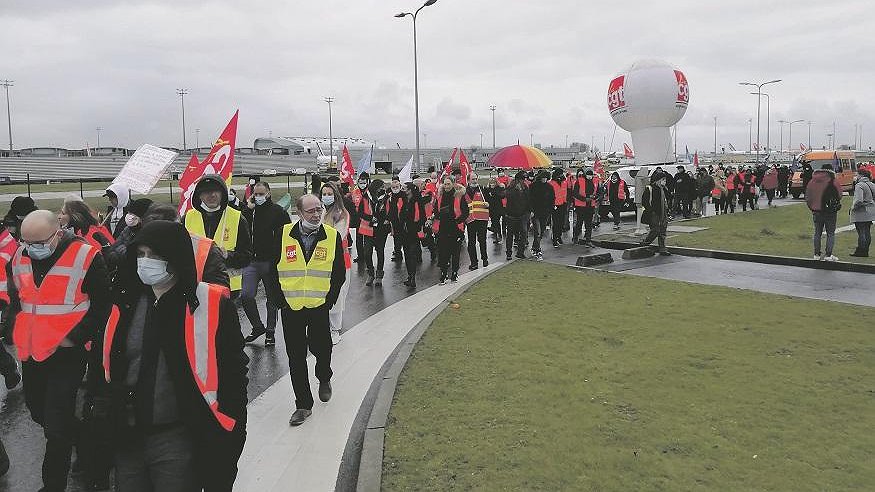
[
  {"x": 402, "y": 14},
  {"x": 429, "y": 2}
]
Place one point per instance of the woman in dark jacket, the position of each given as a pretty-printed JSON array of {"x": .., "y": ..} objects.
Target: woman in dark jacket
[
  {"x": 117, "y": 251},
  {"x": 495, "y": 198},
  {"x": 167, "y": 436},
  {"x": 411, "y": 221}
]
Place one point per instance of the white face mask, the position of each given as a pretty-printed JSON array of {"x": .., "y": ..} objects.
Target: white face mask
[
  {"x": 363, "y": 185},
  {"x": 152, "y": 271},
  {"x": 310, "y": 226},
  {"x": 396, "y": 189},
  {"x": 132, "y": 220},
  {"x": 260, "y": 199},
  {"x": 328, "y": 200},
  {"x": 210, "y": 209}
]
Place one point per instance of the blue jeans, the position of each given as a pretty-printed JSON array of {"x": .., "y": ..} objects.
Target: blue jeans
[
  {"x": 827, "y": 221},
  {"x": 255, "y": 272},
  {"x": 864, "y": 236}
]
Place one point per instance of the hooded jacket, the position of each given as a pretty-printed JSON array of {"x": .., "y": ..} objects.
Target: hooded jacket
[
  {"x": 115, "y": 216},
  {"x": 163, "y": 338},
  {"x": 242, "y": 253},
  {"x": 267, "y": 221},
  {"x": 20, "y": 207},
  {"x": 817, "y": 186},
  {"x": 541, "y": 197}
]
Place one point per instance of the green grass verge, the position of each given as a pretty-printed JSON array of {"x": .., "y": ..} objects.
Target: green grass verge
[
  {"x": 784, "y": 231},
  {"x": 674, "y": 387}
]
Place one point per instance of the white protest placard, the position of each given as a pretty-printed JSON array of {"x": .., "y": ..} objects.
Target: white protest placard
[{"x": 145, "y": 168}]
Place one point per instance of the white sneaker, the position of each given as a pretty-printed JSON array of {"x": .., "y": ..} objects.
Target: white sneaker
[
  {"x": 831, "y": 258},
  {"x": 335, "y": 337},
  {"x": 817, "y": 257}
]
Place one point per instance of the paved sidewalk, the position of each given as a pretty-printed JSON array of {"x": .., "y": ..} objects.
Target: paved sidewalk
[{"x": 278, "y": 457}]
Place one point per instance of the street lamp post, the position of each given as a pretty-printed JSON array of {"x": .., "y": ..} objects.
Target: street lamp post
[
  {"x": 781, "y": 142},
  {"x": 330, "y": 100},
  {"x": 768, "y": 120},
  {"x": 7, "y": 84},
  {"x": 759, "y": 99},
  {"x": 715, "y": 136},
  {"x": 197, "y": 138},
  {"x": 416, "y": 73},
  {"x": 481, "y": 140},
  {"x": 790, "y": 136},
  {"x": 809, "y": 133},
  {"x": 181, "y": 93},
  {"x": 99, "y": 129},
  {"x": 492, "y": 108}
]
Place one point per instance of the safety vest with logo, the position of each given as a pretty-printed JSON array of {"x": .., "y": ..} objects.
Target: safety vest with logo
[
  {"x": 581, "y": 185},
  {"x": 560, "y": 193},
  {"x": 306, "y": 283},
  {"x": 200, "y": 346},
  {"x": 51, "y": 311},
  {"x": 89, "y": 236},
  {"x": 478, "y": 208},
  {"x": 8, "y": 246},
  {"x": 366, "y": 214},
  {"x": 225, "y": 236},
  {"x": 457, "y": 214}
]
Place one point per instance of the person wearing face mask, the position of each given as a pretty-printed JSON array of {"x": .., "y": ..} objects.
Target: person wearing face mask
[
  {"x": 78, "y": 217},
  {"x": 118, "y": 196},
  {"x": 175, "y": 428},
  {"x": 371, "y": 214},
  {"x": 477, "y": 222},
  {"x": 306, "y": 284},
  {"x": 584, "y": 193},
  {"x": 448, "y": 224},
  {"x": 560, "y": 206},
  {"x": 210, "y": 216},
  {"x": 542, "y": 200},
  {"x": 355, "y": 196},
  {"x": 656, "y": 205},
  {"x": 115, "y": 253},
  {"x": 393, "y": 211},
  {"x": 410, "y": 233},
  {"x": 618, "y": 192},
  {"x": 496, "y": 199},
  {"x": 58, "y": 301},
  {"x": 337, "y": 216},
  {"x": 266, "y": 220},
  {"x": 20, "y": 207}
]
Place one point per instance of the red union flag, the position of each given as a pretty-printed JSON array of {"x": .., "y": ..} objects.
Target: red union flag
[
  {"x": 683, "y": 87},
  {"x": 347, "y": 171},
  {"x": 465, "y": 167},
  {"x": 616, "y": 98},
  {"x": 219, "y": 161},
  {"x": 448, "y": 169},
  {"x": 627, "y": 151}
]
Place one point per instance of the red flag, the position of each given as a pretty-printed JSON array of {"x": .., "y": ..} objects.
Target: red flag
[
  {"x": 627, "y": 151},
  {"x": 696, "y": 159},
  {"x": 8, "y": 246},
  {"x": 598, "y": 168},
  {"x": 347, "y": 171},
  {"x": 464, "y": 167},
  {"x": 219, "y": 161},
  {"x": 448, "y": 169}
]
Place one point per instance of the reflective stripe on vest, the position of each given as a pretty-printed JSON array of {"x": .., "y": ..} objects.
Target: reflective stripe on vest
[
  {"x": 305, "y": 284},
  {"x": 365, "y": 217},
  {"x": 478, "y": 207},
  {"x": 225, "y": 236},
  {"x": 201, "y": 247},
  {"x": 108, "y": 336},
  {"x": 457, "y": 213},
  {"x": 50, "y": 311}
]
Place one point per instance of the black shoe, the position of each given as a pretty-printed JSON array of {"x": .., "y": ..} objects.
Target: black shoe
[
  {"x": 324, "y": 391},
  {"x": 269, "y": 339},
  {"x": 508, "y": 256},
  {"x": 454, "y": 277},
  {"x": 355, "y": 260},
  {"x": 555, "y": 244},
  {"x": 406, "y": 281},
  {"x": 370, "y": 281},
  {"x": 473, "y": 266},
  {"x": 664, "y": 253},
  {"x": 256, "y": 333},
  {"x": 412, "y": 282},
  {"x": 13, "y": 379},
  {"x": 443, "y": 279},
  {"x": 521, "y": 256},
  {"x": 485, "y": 263},
  {"x": 300, "y": 416},
  {"x": 101, "y": 484}
]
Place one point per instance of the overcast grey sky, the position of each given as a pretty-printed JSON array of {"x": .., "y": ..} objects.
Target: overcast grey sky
[{"x": 545, "y": 64}]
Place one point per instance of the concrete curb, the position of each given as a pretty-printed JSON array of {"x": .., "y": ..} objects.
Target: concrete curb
[
  {"x": 370, "y": 475},
  {"x": 840, "y": 266}
]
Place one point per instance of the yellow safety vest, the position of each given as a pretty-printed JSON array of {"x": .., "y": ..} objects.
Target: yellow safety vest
[
  {"x": 305, "y": 284},
  {"x": 225, "y": 237}
]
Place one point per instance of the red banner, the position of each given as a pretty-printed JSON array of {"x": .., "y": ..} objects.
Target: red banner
[
  {"x": 219, "y": 161},
  {"x": 8, "y": 246},
  {"x": 616, "y": 98},
  {"x": 448, "y": 169},
  {"x": 683, "y": 87},
  {"x": 347, "y": 171},
  {"x": 465, "y": 167},
  {"x": 627, "y": 151}
]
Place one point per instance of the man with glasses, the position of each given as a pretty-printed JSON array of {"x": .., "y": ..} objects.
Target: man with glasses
[
  {"x": 310, "y": 270},
  {"x": 58, "y": 300}
]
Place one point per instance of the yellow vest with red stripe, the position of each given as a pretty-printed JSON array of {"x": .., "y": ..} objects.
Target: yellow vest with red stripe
[
  {"x": 457, "y": 213},
  {"x": 225, "y": 236},
  {"x": 305, "y": 284},
  {"x": 200, "y": 346},
  {"x": 478, "y": 208},
  {"x": 51, "y": 311}
]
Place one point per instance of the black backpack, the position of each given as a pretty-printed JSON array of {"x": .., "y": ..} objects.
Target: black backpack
[{"x": 832, "y": 199}]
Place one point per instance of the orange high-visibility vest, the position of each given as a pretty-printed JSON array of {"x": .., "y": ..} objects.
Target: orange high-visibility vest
[
  {"x": 560, "y": 193},
  {"x": 730, "y": 182},
  {"x": 621, "y": 189},
  {"x": 201, "y": 247},
  {"x": 581, "y": 186},
  {"x": 8, "y": 246},
  {"x": 479, "y": 208},
  {"x": 51, "y": 311},
  {"x": 366, "y": 213},
  {"x": 457, "y": 212},
  {"x": 200, "y": 346},
  {"x": 89, "y": 236}
]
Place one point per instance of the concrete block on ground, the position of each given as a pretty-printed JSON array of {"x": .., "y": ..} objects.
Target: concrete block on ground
[
  {"x": 639, "y": 253},
  {"x": 594, "y": 259}
]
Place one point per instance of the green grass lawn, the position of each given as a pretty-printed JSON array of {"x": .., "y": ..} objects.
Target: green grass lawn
[
  {"x": 672, "y": 386},
  {"x": 784, "y": 231}
]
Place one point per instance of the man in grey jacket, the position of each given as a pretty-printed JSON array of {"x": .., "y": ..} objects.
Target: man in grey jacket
[{"x": 863, "y": 211}]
